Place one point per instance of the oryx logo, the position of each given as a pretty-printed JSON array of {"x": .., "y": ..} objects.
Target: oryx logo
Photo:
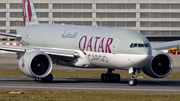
[
  {"x": 23, "y": 65},
  {"x": 26, "y": 7}
]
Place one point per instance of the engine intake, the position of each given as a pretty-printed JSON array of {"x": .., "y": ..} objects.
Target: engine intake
[
  {"x": 160, "y": 65},
  {"x": 35, "y": 64}
]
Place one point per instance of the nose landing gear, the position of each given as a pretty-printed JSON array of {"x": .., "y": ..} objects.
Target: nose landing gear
[{"x": 133, "y": 80}]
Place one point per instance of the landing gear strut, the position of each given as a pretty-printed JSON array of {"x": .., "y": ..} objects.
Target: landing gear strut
[
  {"x": 133, "y": 81},
  {"x": 110, "y": 77}
]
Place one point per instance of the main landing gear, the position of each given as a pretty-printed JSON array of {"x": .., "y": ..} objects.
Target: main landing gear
[
  {"x": 110, "y": 77},
  {"x": 133, "y": 80},
  {"x": 48, "y": 78}
]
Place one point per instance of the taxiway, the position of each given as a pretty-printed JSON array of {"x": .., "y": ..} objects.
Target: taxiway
[{"x": 92, "y": 84}]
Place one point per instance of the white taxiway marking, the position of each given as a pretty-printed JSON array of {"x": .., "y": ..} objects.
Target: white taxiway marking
[{"x": 93, "y": 89}]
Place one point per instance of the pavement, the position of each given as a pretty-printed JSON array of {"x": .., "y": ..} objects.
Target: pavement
[{"x": 92, "y": 84}]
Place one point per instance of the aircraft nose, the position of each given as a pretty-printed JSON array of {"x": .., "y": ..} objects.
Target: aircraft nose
[
  {"x": 146, "y": 57},
  {"x": 144, "y": 60},
  {"x": 146, "y": 51}
]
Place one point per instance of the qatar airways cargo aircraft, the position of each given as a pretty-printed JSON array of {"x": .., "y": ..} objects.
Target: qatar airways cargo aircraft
[{"x": 86, "y": 47}]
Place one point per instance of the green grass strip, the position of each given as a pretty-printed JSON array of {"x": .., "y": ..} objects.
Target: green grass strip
[
  {"x": 82, "y": 74},
  {"x": 47, "y": 95}
]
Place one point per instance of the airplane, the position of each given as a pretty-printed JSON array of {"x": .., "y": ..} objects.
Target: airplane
[{"x": 86, "y": 47}]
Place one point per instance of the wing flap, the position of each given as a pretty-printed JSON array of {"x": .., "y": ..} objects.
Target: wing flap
[{"x": 165, "y": 45}]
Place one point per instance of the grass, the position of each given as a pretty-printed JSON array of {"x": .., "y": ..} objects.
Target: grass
[
  {"x": 44, "y": 95},
  {"x": 82, "y": 74}
]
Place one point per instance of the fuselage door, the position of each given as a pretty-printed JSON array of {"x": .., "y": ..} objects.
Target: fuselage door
[{"x": 115, "y": 46}]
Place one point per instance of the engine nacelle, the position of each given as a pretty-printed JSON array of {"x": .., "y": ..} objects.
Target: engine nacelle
[
  {"x": 35, "y": 64},
  {"x": 160, "y": 65}
]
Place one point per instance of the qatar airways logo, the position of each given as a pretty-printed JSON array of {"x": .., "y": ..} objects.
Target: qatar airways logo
[
  {"x": 26, "y": 7},
  {"x": 92, "y": 44},
  {"x": 69, "y": 35}
]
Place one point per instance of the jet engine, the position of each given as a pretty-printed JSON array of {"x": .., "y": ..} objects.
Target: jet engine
[
  {"x": 35, "y": 64},
  {"x": 160, "y": 65}
]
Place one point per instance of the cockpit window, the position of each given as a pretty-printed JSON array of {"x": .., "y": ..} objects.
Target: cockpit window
[
  {"x": 146, "y": 45},
  {"x": 140, "y": 45},
  {"x": 133, "y": 45}
]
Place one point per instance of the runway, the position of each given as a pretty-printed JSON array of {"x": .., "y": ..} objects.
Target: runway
[{"x": 92, "y": 84}]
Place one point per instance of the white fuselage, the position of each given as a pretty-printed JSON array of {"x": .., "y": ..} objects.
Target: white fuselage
[{"x": 98, "y": 46}]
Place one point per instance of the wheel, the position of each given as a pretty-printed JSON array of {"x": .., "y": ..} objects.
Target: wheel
[
  {"x": 102, "y": 77},
  {"x": 117, "y": 79},
  {"x": 105, "y": 77},
  {"x": 133, "y": 82},
  {"x": 43, "y": 79},
  {"x": 108, "y": 77},
  {"x": 49, "y": 78},
  {"x": 35, "y": 79}
]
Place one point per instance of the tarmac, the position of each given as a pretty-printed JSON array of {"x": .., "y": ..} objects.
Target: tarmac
[{"x": 92, "y": 84}]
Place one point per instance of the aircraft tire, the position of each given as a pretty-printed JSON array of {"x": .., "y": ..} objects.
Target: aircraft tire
[
  {"x": 110, "y": 77},
  {"x": 48, "y": 78},
  {"x": 102, "y": 77},
  {"x": 133, "y": 82},
  {"x": 117, "y": 77}
]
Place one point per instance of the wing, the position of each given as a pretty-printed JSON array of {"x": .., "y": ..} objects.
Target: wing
[
  {"x": 10, "y": 34},
  {"x": 60, "y": 54},
  {"x": 165, "y": 45},
  {"x": 52, "y": 52}
]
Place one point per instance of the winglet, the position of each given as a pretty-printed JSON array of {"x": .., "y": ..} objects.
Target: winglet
[{"x": 29, "y": 13}]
